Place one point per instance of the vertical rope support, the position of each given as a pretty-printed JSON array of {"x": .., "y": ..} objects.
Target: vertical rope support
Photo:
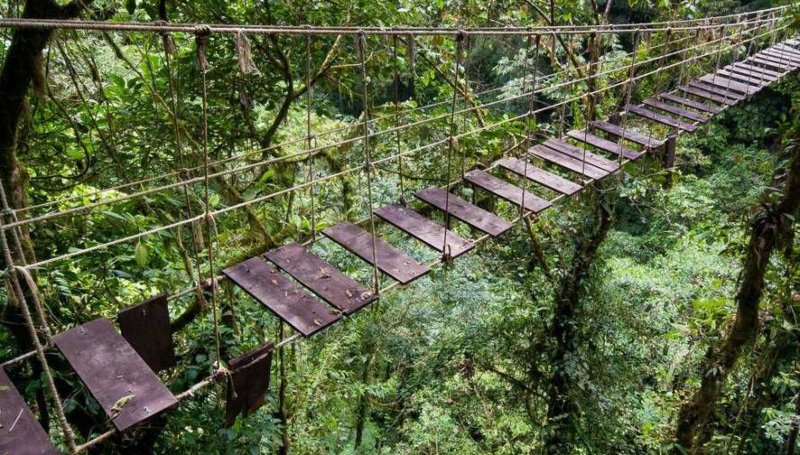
[
  {"x": 452, "y": 143},
  {"x": 396, "y": 77},
  {"x": 362, "y": 56},
  {"x": 467, "y": 47},
  {"x": 659, "y": 78},
  {"x": 309, "y": 140},
  {"x": 533, "y": 40},
  {"x": 201, "y": 34},
  {"x": 13, "y": 277},
  {"x": 719, "y": 52},
  {"x": 750, "y": 47},
  {"x": 629, "y": 88},
  {"x": 563, "y": 107},
  {"x": 681, "y": 72}
]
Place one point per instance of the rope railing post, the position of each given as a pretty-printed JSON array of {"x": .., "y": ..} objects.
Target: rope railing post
[
  {"x": 396, "y": 79},
  {"x": 361, "y": 39},
  {"x": 202, "y": 34},
  {"x": 310, "y": 138},
  {"x": 13, "y": 272},
  {"x": 452, "y": 143},
  {"x": 629, "y": 90}
]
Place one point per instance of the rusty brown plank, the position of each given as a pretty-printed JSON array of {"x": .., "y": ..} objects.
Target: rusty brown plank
[
  {"x": 464, "y": 211},
  {"x": 390, "y": 261},
  {"x": 728, "y": 84},
  {"x": 663, "y": 119},
  {"x": 580, "y": 154},
  {"x": 121, "y": 382},
  {"x": 507, "y": 191},
  {"x": 629, "y": 133},
  {"x": 691, "y": 116},
  {"x": 705, "y": 94},
  {"x": 147, "y": 329},
  {"x": 248, "y": 382},
  {"x": 568, "y": 162},
  {"x": 690, "y": 103},
  {"x": 304, "y": 313},
  {"x": 20, "y": 432},
  {"x": 424, "y": 230},
  {"x": 322, "y": 278},
  {"x": 540, "y": 176},
  {"x": 604, "y": 144}
]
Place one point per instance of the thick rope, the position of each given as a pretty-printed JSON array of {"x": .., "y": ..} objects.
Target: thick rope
[
  {"x": 396, "y": 78},
  {"x": 532, "y": 63},
  {"x": 310, "y": 138},
  {"x": 452, "y": 146}
]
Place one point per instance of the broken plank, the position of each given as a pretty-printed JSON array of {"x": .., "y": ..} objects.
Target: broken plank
[
  {"x": 304, "y": 313},
  {"x": 425, "y": 230},
  {"x": 321, "y": 278},
  {"x": 506, "y": 191},
  {"x": 528, "y": 170},
  {"x": 389, "y": 260},
  {"x": 464, "y": 211}
]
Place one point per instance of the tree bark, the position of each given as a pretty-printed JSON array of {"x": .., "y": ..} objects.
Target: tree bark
[
  {"x": 767, "y": 229},
  {"x": 561, "y": 407}
]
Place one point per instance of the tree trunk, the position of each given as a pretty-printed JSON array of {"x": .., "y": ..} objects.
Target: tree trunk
[
  {"x": 561, "y": 408},
  {"x": 767, "y": 229}
]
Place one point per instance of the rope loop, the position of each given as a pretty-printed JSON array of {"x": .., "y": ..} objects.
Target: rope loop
[
  {"x": 201, "y": 35},
  {"x": 461, "y": 35}
]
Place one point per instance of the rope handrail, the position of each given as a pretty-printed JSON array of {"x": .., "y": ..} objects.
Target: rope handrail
[
  {"x": 315, "y": 150},
  {"x": 51, "y": 24}
]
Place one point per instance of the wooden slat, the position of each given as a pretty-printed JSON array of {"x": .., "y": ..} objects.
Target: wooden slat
[
  {"x": 321, "y": 278},
  {"x": 629, "y": 133},
  {"x": 580, "y": 154},
  {"x": 540, "y": 176},
  {"x": 506, "y": 190},
  {"x": 747, "y": 76},
  {"x": 147, "y": 329},
  {"x": 248, "y": 382},
  {"x": 663, "y": 119},
  {"x": 604, "y": 144},
  {"x": 752, "y": 69},
  {"x": 568, "y": 162},
  {"x": 692, "y": 116},
  {"x": 719, "y": 91},
  {"x": 390, "y": 261},
  {"x": 690, "y": 103},
  {"x": 705, "y": 94},
  {"x": 121, "y": 382},
  {"x": 424, "y": 230},
  {"x": 20, "y": 432},
  {"x": 464, "y": 211},
  {"x": 762, "y": 61},
  {"x": 728, "y": 84},
  {"x": 787, "y": 50},
  {"x": 787, "y": 57},
  {"x": 304, "y": 313}
]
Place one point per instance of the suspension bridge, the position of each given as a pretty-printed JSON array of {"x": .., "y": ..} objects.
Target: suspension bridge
[{"x": 309, "y": 293}]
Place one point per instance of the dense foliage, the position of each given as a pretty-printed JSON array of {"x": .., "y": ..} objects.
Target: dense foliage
[{"x": 603, "y": 308}]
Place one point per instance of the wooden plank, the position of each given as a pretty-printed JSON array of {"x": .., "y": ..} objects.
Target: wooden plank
[
  {"x": 506, "y": 190},
  {"x": 121, "y": 382},
  {"x": 321, "y": 278},
  {"x": 692, "y": 116},
  {"x": 464, "y": 211},
  {"x": 390, "y": 261},
  {"x": 425, "y": 230},
  {"x": 747, "y": 77},
  {"x": 248, "y": 382},
  {"x": 147, "y": 329},
  {"x": 568, "y": 162},
  {"x": 663, "y": 119},
  {"x": 580, "y": 154},
  {"x": 787, "y": 50},
  {"x": 629, "y": 133},
  {"x": 690, "y": 103},
  {"x": 783, "y": 56},
  {"x": 758, "y": 60},
  {"x": 752, "y": 69},
  {"x": 604, "y": 144},
  {"x": 540, "y": 176},
  {"x": 304, "y": 313},
  {"x": 20, "y": 432},
  {"x": 728, "y": 84},
  {"x": 705, "y": 94},
  {"x": 719, "y": 91}
]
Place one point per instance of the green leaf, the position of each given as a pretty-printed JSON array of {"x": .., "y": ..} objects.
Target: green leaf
[
  {"x": 141, "y": 254},
  {"x": 130, "y": 5}
]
